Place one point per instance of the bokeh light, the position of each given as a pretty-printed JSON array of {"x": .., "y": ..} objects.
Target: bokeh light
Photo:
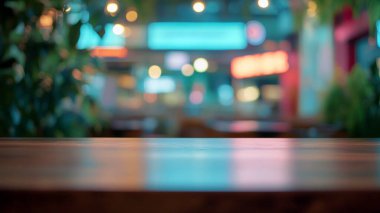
[
  {"x": 199, "y": 6},
  {"x": 260, "y": 64},
  {"x": 77, "y": 74},
  {"x": 154, "y": 72},
  {"x": 118, "y": 29},
  {"x": 111, "y": 52},
  {"x": 248, "y": 94},
  {"x": 67, "y": 8},
  {"x": 112, "y": 7},
  {"x": 226, "y": 95},
  {"x": 46, "y": 21},
  {"x": 201, "y": 65},
  {"x": 311, "y": 9},
  {"x": 263, "y": 3},
  {"x": 256, "y": 33},
  {"x": 196, "y": 97},
  {"x": 164, "y": 84},
  {"x": 131, "y": 15},
  {"x": 187, "y": 70}
]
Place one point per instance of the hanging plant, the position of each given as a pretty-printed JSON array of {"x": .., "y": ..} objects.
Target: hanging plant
[{"x": 40, "y": 71}]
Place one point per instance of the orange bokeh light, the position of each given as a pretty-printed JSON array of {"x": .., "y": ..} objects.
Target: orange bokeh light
[
  {"x": 108, "y": 52},
  {"x": 259, "y": 65}
]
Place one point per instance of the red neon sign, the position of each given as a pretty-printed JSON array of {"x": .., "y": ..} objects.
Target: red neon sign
[
  {"x": 259, "y": 65},
  {"x": 109, "y": 52}
]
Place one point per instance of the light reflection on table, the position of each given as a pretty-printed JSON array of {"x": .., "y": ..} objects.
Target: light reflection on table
[{"x": 190, "y": 164}]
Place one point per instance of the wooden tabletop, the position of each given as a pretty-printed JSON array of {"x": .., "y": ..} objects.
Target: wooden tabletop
[{"x": 260, "y": 174}]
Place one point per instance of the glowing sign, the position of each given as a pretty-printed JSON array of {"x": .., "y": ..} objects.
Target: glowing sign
[
  {"x": 256, "y": 33},
  {"x": 378, "y": 33},
  {"x": 197, "y": 36},
  {"x": 159, "y": 85},
  {"x": 261, "y": 64},
  {"x": 89, "y": 39},
  {"x": 110, "y": 52}
]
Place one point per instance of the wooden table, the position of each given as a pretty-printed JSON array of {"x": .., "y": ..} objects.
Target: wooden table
[{"x": 189, "y": 175}]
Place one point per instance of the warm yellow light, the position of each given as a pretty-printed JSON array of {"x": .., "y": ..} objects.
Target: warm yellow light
[
  {"x": 311, "y": 9},
  {"x": 118, "y": 29},
  {"x": 154, "y": 72},
  {"x": 199, "y": 6},
  {"x": 187, "y": 70},
  {"x": 67, "y": 9},
  {"x": 46, "y": 21},
  {"x": 248, "y": 94},
  {"x": 263, "y": 3},
  {"x": 260, "y": 64},
  {"x": 131, "y": 16},
  {"x": 112, "y": 7},
  {"x": 201, "y": 65}
]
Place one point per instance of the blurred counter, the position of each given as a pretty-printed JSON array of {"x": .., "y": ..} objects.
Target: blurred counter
[{"x": 194, "y": 175}]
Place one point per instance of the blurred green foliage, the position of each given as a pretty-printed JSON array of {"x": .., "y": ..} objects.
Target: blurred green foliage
[
  {"x": 39, "y": 95},
  {"x": 354, "y": 103}
]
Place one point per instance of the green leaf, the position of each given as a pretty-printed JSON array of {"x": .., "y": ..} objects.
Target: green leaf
[
  {"x": 15, "y": 53},
  {"x": 17, "y": 6},
  {"x": 74, "y": 33}
]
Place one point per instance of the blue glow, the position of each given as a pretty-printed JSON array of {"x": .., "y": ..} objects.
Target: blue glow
[
  {"x": 226, "y": 95},
  {"x": 189, "y": 168},
  {"x": 89, "y": 39},
  {"x": 378, "y": 33},
  {"x": 77, "y": 13},
  {"x": 160, "y": 85},
  {"x": 197, "y": 36},
  {"x": 110, "y": 39}
]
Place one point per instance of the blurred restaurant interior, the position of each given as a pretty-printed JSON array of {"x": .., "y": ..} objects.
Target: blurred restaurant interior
[{"x": 183, "y": 68}]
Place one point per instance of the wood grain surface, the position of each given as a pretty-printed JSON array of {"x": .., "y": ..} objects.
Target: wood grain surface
[{"x": 191, "y": 175}]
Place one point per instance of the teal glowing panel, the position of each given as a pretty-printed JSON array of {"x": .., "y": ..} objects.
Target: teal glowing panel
[
  {"x": 197, "y": 36},
  {"x": 90, "y": 39},
  {"x": 378, "y": 32}
]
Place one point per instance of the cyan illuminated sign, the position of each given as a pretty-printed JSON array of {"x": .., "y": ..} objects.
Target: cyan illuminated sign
[
  {"x": 164, "y": 84},
  {"x": 197, "y": 36},
  {"x": 378, "y": 33},
  {"x": 89, "y": 39}
]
